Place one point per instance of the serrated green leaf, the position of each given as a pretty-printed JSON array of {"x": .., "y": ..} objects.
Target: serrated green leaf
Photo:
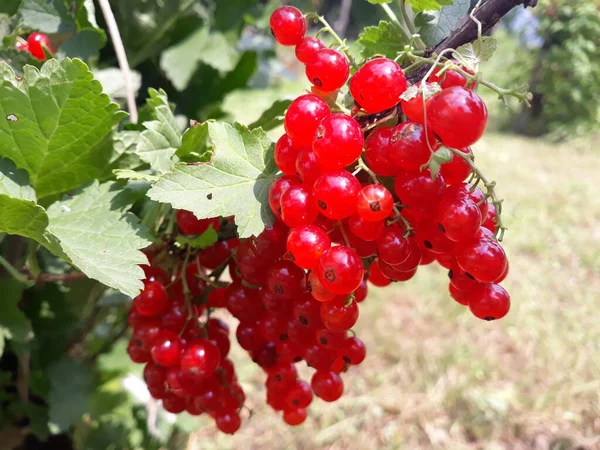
[
  {"x": 85, "y": 17},
  {"x": 48, "y": 16},
  {"x": 235, "y": 183},
  {"x": 180, "y": 61},
  {"x": 12, "y": 319},
  {"x": 101, "y": 239},
  {"x": 474, "y": 53},
  {"x": 383, "y": 39},
  {"x": 206, "y": 239},
  {"x": 443, "y": 155},
  {"x": 56, "y": 124},
  {"x": 444, "y": 22},
  {"x": 70, "y": 392},
  {"x": 126, "y": 174},
  {"x": 272, "y": 117},
  {"x": 161, "y": 139},
  {"x": 15, "y": 182},
  {"x": 194, "y": 144},
  {"x": 86, "y": 44},
  {"x": 428, "y": 5}
]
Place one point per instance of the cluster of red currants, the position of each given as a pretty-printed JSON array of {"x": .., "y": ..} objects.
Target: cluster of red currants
[{"x": 34, "y": 45}]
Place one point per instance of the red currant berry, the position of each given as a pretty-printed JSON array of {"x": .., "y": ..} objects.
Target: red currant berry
[
  {"x": 243, "y": 303},
  {"x": 461, "y": 279},
  {"x": 458, "y": 217},
  {"x": 251, "y": 265},
  {"x": 414, "y": 108},
  {"x": 461, "y": 297},
  {"x": 328, "y": 70},
  {"x": 376, "y": 277},
  {"x": 307, "y": 167},
  {"x": 375, "y": 203},
  {"x": 364, "y": 229},
  {"x": 285, "y": 155},
  {"x": 299, "y": 396},
  {"x": 378, "y": 85},
  {"x": 307, "y": 48},
  {"x": 335, "y": 194},
  {"x": 270, "y": 244},
  {"x": 490, "y": 302},
  {"x": 288, "y": 25},
  {"x": 154, "y": 375},
  {"x": 392, "y": 246},
  {"x": 200, "y": 359},
  {"x": 249, "y": 336},
  {"x": 418, "y": 191},
  {"x": 173, "y": 404},
  {"x": 338, "y": 141},
  {"x": 484, "y": 259},
  {"x": 378, "y": 152},
  {"x": 332, "y": 340},
  {"x": 307, "y": 244},
  {"x": 410, "y": 147},
  {"x": 317, "y": 290},
  {"x": 319, "y": 357},
  {"x": 297, "y": 207},
  {"x": 294, "y": 417},
  {"x": 228, "y": 422},
  {"x": 327, "y": 386},
  {"x": 286, "y": 280},
  {"x": 394, "y": 273},
  {"x": 449, "y": 79},
  {"x": 153, "y": 300},
  {"x": 189, "y": 224},
  {"x": 137, "y": 353},
  {"x": 339, "y": 314},
  {"x": 166, "y": 349},
  {"x": 473, "y": 192},
  {"x": 414, "y": 257},
  {"x": 36, "y": 43},
  {"x": 279, "y": 186},
  {"x": 340, "y": 270},
  {"x": 458, "y": 116},
  {"x": 431, "y": 237},
  {"x": 215, "y": 255},
  {"x": 303, "y": 117},
  {"x": 353, "y": 351},
  {"x": 457, "y": 170}
]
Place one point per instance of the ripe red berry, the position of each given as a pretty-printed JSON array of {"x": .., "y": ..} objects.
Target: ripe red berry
[
  {"x": 458, "y": 116},
  {"x": 327, "y": 385},
  {"x": 36, "y": 43},
  {"x": 173, "y": 404},
  {"x": 335, "y": 194},
  {"x": 307, "y": 48},
  {"x": 374, "y": 202},
  {"x": 249, "y": 336},
  {"x": 328, "y": 70},
  {"x": 307, "y": 244},
  {"x": 378, "y": 152},
  {"x": 490, "y": 302},
  {"x": 200, "y": 359},
  {"x": 137, "y": 353},
  {"x": 376, "y": 277},
  {"x": 332, "y": 340},
  {"x": 299, "y": 396},
  {"x": 449, "y": 79},
  {"x": 294, "y": 417},
  {"x": 307, "y": 167},
  {"x": 364, "y": 229},
  {"x": 303, "y": 117},
  {"x": 286, "y": 280},
  {"x": 378, "y": 85},
  {"x": 285, "y": 155},
  {"x": 153, "y": 300},
  {"x": 410, "y": 148},
  {"x": 338, "y": 141},
  {"x": 461, "y": 297},
  {"x": 317, "y": 290},
  {"x": 418, "y": 191},
  {"x": 189, "y": 224},
  {"x": 392, "y": 246},
  {"x": 457, "y": 170},
  {"x": 484, "y": 259},
  {"x": 414, "y": 108},
  {"x": 339, "y": 314},
  {"x": 279, "y": 186},
  {"x": 166, "y": 349},
  {"x": 458, "y": 217},
  {"x": 353, "y": 351},
  {"x": 340, "y": 270},
  {"x": 288, "y": 25},
  {"x": 228, "y": 422},
  {"x": 297, "y": 207}
]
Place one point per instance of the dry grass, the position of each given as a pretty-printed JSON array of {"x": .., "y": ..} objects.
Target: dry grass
[{"x": 435, "y": 377}]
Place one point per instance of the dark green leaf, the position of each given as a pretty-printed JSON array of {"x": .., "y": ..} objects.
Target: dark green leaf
[
  {"x": 206, "y": 239},
  {"x": 13, "y": 322},
  {"x": 48, "y": 16},
  {"x": 272, "y": 117},
  {"x": 9, "y": 7},
  {"x": 84, "y": 45},
  {"x": 384, "y": 39}
]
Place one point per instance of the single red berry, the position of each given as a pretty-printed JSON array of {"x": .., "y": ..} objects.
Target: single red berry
[
  {"x": 154, "y": 375},
  {"x": 414, "y": 108},
  {"x": 137, "y": 353},
  {"x": 228, "y": 422},
  {"x": 166, "y": 350},
  {"x": 418, "y": 191},
  {"x": 307, "y": 167},
  {"x": 200, "y": 359},
  {"x": 335, "y": 194},
  {"x": 243, "y": 303},
  {"x": 433, "y": 239},
  {"x": 457, "y": 170},
  {"x": 339, "y": 314},
  {"x": 249, "y": 336},
  {"x": 394, "y": 273},
  {"x": 378, "y": 85},
  {"x": 173, "y": 404},
  {"x": 294, "y": 417},
  {"x": 490, "y": 302},
  {"x": 298, "y": 207},
  {"x": 473, "y": 192},
  {"x": 153, "y": 300},
  {"x": 189, "y": 224},
  {"x": 299, "y": 396},
  {"x": 327, "y": 386},
  {"x": 288, "y": 25},
  {"x": 307, "y": 244},
  {"x": 458, "y": 116},
  {"x": 282, "y": 377},
  {"x": 353, "y": 351},
  {"x": 461, "y": 297},
  {"x": 215, "y": 255},
  {"x": 286, "y": 280},
  {"x": 340, "y": 270},
  {"x": 36, "y": 43},
  {"x": 484, "y": 259},
  {"x": 332, "y": 340},
  {"x": 458, "y": 217},
  {"x": 279, "y": 186},
  {"x": 319, "y": 357},
  {"x": 364, "y": 229},
  {"x": 462, "y": 280},
  {"x": 216, "y": 298},
  {"x": 375, "y": 203},
  {"x": 392, "y": 246},
  {"x": 270, "y": 243},
  {"x": 376, "y": 277},
  {"x": 250, "y": 263},
  {"x": 338, "y": 141},
  {"x": 285, "y": 155},
  {"x": 414, "y": 257},
  {"x": 306, "y": 310},
  {"x": 328, "y": 70},
  {"x": 303, "y": 117},
  {"x": 449, "y": 79},
  {"x": 220, "y": 338},
  {"x": 317, "y": 290},
  {"x": 155, "y": 274},
  {"x": 307, "y": 48},
  {"x": 378, "y": 152},
  {"x": 411, "y": 148}
]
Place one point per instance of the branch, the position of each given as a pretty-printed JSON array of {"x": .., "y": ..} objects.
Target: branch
[{"x": 489, "y": 14}]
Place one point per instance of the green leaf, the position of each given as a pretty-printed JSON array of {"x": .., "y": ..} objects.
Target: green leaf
[
  {"x": 85, "y": 17},
  {"x": 195, "y": 146},
  {"x": 56, "y": 123},
  {"x": 162, "y": 137},
  {"x": 443, "y": 22},
  {"x": 84, "y": 45},
  {"x": 70, "y": 392},
  {"x": 48, "y": 16},
  {"x": 13, "y": 323},
  {"x": 272, "y": 117},
  {"x": 235, "y": 183},
  {"x": 379, "y": 2},
  {"x": 15, "y": 182},
  {"x": 99, "y": 236},
  {"x": 113, "y": 82},
  {"x": 206, "y": 239},
  {"x": 127, "y": 174},
  {"x": 383, "y": 39},
  {"x": 9, "y": 7},
  {"x": 428, "y": 5},
  {"x": 213, "y": 49},
  {"x": 478, "y": 51}
]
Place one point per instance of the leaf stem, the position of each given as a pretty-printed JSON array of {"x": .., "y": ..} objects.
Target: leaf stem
[
  {"x": 392, "y": 15},
  {"x": 12, "y": 271},
  {"x": 328, "y": 29},
  {"x": 411, "y": 28}
]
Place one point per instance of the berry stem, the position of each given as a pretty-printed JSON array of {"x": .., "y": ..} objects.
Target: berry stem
[
  {"x": 344, "y": 235},
  {"x": 392, "y": 15},
  {"x": 363, "y": 166},
  {"x": 12, "y": 271},
  {"x": 328, "y": 29},
  {"x": 491, "y": 192},
  {"x": 184, "y": 282},
  {"x": 399, "y": 216},
  {"x": 417, "y": 39}
]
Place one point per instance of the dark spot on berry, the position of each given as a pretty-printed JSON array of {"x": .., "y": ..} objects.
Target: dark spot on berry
[
  {"x": 209, "y": 196},
  {"x": 347, "y": 359},
  {"x": 296, "y": 402},
  {"x": 283, "y": 337},
  {"x": 278, "y": 290},
  {"x": 278, "y": 378},
  {"x": 490, "y": 318},
  {"x": 450, "y": 274},
  {"x": 297, "y": 358},
  {"x": 375, "y": 206},
  {"x": 303, "y": 320},
  {"x": 361, "y": 96},
  {"x": 322, "y": 205},
  {"x": 323, "y": 341},
  {"x": 317, "y": 82},
  {"x": 468, "y": 275},
  {"x": 441, "y": 227},
  {"x": 330, "y": 275},
  {"x": 428, "y": 244}
]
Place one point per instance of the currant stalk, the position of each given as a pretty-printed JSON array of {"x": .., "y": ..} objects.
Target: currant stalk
[{"x": 328, "y": 29}]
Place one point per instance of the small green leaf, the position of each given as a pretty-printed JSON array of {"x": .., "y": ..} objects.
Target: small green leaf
[
  {"x": 206, "y": 239},
  {"x": 162, "y": 137},
  {"x": 48, "y": 16},
  {"x": 272, "y": 117},
  {"x": 56, "y": 124},
  {"x": 70, "y": 392},
  {"x": 16, "y": 326},
  {"x": 434, "y": 168},
  {"x": 428, "y": 5},
  {"x": 383, "y": 39},
  {"x": 235, "y": 183},
  {"x": 101, "y": 239},
  {"x": 443, "y": 22},
  {"x": 194, "y": 144},
  {"x": 478, "y": 51},
  {"x": 84, "y": 45},
  {"x": 379, "y": 2},
  {"x": 443, "y": 155},
  {"x": 127, "y": 174},
  {"x": 428, "y": 90}
]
